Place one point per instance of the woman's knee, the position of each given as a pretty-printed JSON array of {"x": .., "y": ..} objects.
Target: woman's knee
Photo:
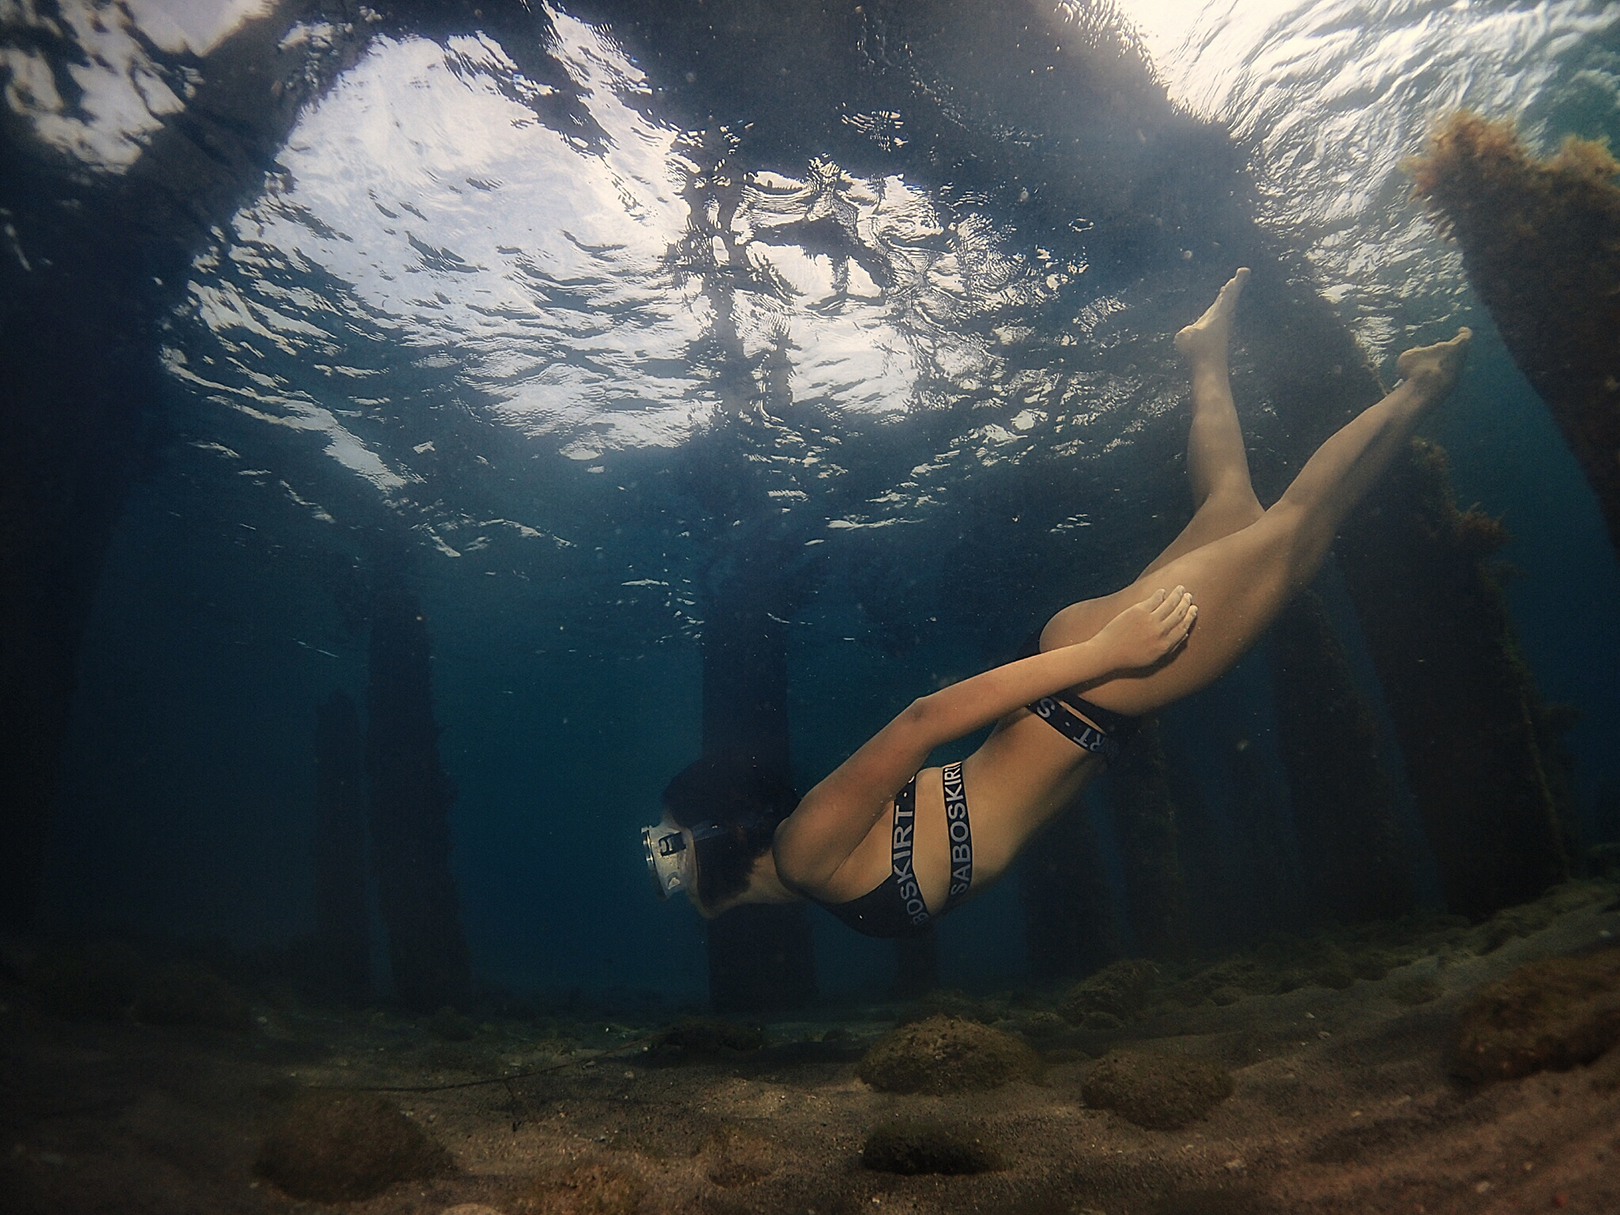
[{"x": 1232, "y": 494}]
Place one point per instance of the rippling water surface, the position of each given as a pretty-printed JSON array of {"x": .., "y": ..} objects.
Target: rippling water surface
[{"x": 431, "y": 264}]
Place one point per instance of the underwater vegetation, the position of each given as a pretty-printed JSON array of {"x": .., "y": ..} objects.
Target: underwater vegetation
[{"x": 1540, "y": 240}]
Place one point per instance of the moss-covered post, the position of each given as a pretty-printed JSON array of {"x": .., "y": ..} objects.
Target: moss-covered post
[
  {"x": 916, "y": 964},
  {"x": 1070, "y": 928},
  {"x": 94, "y": 265},
  {"x": 1472, "y": 728},
  {"x": 761, "y": 956},
  {"x": 1145, "y": 820},
  {"x": 1355, "y": 861},
  {"x": 1540, "y": 241},
  {"x": 342, "y": 927},
  {"x": 410, "y": 806},
  {"x": 1429, "y": 645}
]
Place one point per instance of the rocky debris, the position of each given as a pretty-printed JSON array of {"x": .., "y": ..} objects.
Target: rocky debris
[
  {"x": 1511, "y": 923},
  {"x": 343, "y": 1147},
  {"x": 1158, "y": 1090},
  {"x": 1116, "y": 994},
  {"x": 1039, "y": 1025},
  {"x": 947, "y": 1055},
  {"x": 592, "y": 1188},
  {"x": 914, "y": 1146},
  {"x": 184, "y": 993},
  {"x": 1554, "y": 1014}
]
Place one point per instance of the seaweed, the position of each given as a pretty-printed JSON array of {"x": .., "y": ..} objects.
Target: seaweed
[{"x": 1540, "y": 240}]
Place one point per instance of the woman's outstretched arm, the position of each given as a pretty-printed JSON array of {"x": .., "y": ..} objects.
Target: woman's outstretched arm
[{"x": 837, "y": 814}]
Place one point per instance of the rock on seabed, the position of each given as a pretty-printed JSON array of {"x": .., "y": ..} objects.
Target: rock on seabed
[
  {"x": 947, "y": 1055},
  {"x": 1159, "y": 1090},
  {"x": 1554, "y": 1014},
  {"x": 343, "y": 1147}
]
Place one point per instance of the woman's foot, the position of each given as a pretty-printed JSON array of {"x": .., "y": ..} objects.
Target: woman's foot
[
  {"x": 1211, "y": 334},
  {"x": 1434, "y": 369}
]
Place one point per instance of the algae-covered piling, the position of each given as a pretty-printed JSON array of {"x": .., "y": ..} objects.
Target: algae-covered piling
[{"x": 1540, "y": 240}]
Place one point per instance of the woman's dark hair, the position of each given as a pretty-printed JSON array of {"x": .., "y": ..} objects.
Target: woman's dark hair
[{"x": 734, "y": 791}]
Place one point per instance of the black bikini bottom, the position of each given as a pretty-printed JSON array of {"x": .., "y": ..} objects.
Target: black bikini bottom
[
  {"x": 1102, "y": 732},
  {"x": 895, "y": 907}
]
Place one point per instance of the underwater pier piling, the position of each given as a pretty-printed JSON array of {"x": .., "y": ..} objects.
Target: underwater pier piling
[
  {"x": 342, "y": 925},
  {"x": 1145, "y": 814},
  {"x": 1540, "y": 241},
  {"x": 1070, "y": 928},
  {"x": 79, "y": 385},
  {"x": 1472, "y": 728},
  {"x": 107, "y": 258},
  {"x": 761, "y": 956},
  {"x": 1356, "y": 863},
  {"x": 409, "y": 807}
]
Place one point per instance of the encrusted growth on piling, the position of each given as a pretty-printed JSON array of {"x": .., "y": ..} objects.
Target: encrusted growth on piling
[{"x": 1541, "y": 244}]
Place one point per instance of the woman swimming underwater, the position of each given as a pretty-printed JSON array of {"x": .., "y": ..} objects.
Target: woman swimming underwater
[{"x": 887, "y": 848}]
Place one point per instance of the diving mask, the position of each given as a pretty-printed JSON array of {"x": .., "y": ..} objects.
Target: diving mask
[{"x": 669, "y": 852}]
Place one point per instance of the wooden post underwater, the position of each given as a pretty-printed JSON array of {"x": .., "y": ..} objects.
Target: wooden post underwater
[
  {"x": 1070, "y": 928},
  {"x": 1145, "y": 820},
  {"x": 761, "y": 956},
  {"x": 1474, "y": 733},
  {"x": 410, "y": 807},
  {"x": 1540, "y": 241},
  {"x": 1356, "y": 864},
  {"x": 342, "y": 925}
]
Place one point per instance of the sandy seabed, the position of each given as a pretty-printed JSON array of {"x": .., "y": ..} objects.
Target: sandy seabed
[{"x": 1343, "y": 1102}]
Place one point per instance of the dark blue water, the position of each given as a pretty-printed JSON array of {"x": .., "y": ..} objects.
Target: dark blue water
[{"x": 515, "y": 344}]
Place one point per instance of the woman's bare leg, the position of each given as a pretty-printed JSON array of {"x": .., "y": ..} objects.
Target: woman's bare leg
[
  {"x": 1242, "y": 580},
  {"x": 1217, "y": 464}
]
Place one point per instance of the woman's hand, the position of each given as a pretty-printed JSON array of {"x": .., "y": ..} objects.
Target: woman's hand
[{"x": 1146, "y": 632}]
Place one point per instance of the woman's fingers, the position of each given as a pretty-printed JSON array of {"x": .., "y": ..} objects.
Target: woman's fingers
[
  {"x": 1174, "y": 605},
  {"x": 1178, "y": 620}
]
